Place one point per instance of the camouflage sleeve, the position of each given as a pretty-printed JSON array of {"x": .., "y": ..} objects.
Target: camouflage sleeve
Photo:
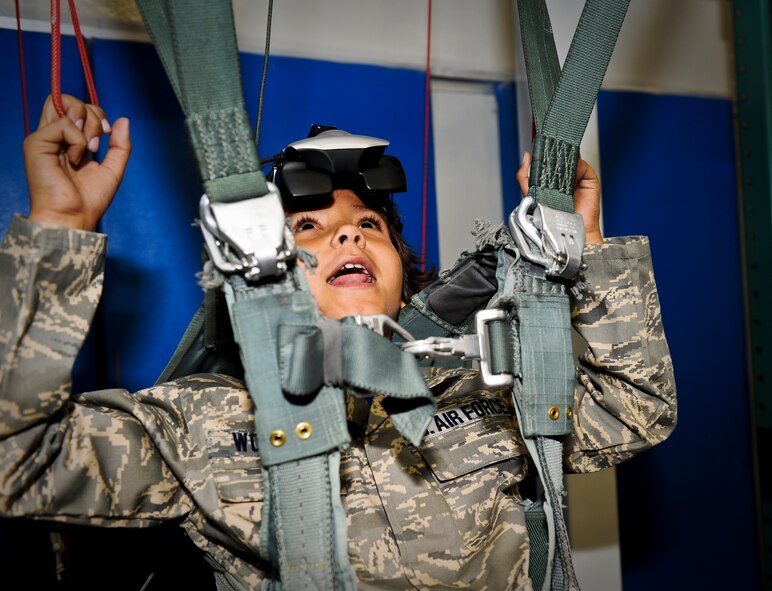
[
  {"x": 625, "y": 398},
  {"x": 61, "y": 456}
]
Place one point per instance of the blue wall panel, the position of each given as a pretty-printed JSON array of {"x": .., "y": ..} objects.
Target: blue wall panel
[
  {"x": 687, "y": 507},
  {"x": 506, "y": 101}
]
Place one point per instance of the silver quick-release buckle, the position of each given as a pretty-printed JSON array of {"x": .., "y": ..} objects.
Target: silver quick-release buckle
[
  {"x": 249, "y": 237},
  {"x": 472, "y": 346},
  {"x": 559, "y": 234}
]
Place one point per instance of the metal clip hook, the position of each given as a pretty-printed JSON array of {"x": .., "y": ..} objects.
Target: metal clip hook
[
  {"x": 559, "y": 235},
  {"x": 248, "y": 236},
  {"x": 472, "y": 346}
]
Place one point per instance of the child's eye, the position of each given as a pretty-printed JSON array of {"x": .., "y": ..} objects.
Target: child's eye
[
  {"x": 371, "y": 223},
  {"x": 303, "y": 224}
]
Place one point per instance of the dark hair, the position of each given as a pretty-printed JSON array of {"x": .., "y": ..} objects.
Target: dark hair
[{"x": 413, "y": 278}]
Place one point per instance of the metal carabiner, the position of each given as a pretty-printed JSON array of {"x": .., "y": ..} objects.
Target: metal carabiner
[{"x": 559, "y": 235}]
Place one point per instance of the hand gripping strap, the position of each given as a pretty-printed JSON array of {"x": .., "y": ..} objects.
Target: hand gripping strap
[{"x": 196, "y": 41}]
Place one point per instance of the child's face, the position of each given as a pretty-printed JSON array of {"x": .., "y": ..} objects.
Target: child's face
[{"x": 359, "y": 270}]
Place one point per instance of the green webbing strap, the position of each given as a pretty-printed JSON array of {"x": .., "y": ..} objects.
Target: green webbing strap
[
  {"x": 304, "y": 526},
  {"x": 298, "y": 443},
  {"x": 541, "y": 57},
  {"x": 196, "y": 41},
  {"x": 560, "y": 127},
  {"x": 301, "y": 427},
  {"x": 546, "y": 358},
  {"x": 562, "y": 103},
  {"x": 300, "y": 513}
]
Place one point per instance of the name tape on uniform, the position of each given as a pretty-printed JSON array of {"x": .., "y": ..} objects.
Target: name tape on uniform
[{"x": 464, "y": 414}]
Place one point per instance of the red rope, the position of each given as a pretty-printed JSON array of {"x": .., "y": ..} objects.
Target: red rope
[
  {"x": 426, "y": 134},
  {"x": 56, "y": 52},
  {"x": 21, "y": 72},
  {"x": 56, "y": 56},
  {"x": 92, "y": 95}
]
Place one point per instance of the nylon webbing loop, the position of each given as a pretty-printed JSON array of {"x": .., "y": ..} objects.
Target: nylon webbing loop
[
  {"x": 196, "y": 41},
  {"x": 504, "y": 354},
  {"x": 562, "y": 103}
]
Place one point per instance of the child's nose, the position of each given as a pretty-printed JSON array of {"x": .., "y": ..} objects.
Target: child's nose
[{"x": 348, "y": 232}]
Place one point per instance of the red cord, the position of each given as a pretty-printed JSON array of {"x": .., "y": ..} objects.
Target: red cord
[
  {"x": 21, "y": 72},
  {"x": 92, "y": 95},
  {"x": 56, "y": 51},
  {"x": 426, "y": 135},
  {"x": 56, "y": 55}
]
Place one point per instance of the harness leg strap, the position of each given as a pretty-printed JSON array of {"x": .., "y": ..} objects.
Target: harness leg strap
[{"x": 310, "y": 531}]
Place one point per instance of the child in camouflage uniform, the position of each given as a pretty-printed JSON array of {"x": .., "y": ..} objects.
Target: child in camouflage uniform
[{"x": 447, "y": 514}]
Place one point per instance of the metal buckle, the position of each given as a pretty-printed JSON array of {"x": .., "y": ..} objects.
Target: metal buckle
[
  {"x": 481, "y": 321},
  {"x": 248, "y": 236},
  {"x": 559, "y": 234},
  {"x": 473, "y": 346}
]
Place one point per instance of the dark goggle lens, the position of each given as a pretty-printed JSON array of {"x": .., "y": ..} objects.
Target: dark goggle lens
[{"x": 296, "y": 179}]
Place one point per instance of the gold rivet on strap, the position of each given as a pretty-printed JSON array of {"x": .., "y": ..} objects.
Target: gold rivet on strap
[
  {"x": 278, "y": 438},
  {"x": 569, "y": 413},
  {"x": 554, "y": 413},
  {"x": 304, "y": 430}
]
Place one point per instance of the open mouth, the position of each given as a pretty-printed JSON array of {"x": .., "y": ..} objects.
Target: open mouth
[{"x": 351, "y": 274}]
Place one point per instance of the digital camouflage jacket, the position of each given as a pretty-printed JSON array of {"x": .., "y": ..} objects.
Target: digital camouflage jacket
[{"x": 447, "y": 514}]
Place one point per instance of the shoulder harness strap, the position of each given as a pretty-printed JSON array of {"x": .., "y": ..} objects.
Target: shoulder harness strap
[
  {"x": 300, "y": 418},
  {"x": 536, "y": 262}
]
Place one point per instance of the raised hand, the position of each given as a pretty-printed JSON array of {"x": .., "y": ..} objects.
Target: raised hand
[{"x": 67, "y": 187}]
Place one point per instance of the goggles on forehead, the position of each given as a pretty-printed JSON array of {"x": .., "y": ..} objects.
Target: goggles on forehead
[{"x": 334, "y": 159}]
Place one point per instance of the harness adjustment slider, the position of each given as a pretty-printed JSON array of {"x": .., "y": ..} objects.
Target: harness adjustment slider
[{"x": 248, "y": 236}]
